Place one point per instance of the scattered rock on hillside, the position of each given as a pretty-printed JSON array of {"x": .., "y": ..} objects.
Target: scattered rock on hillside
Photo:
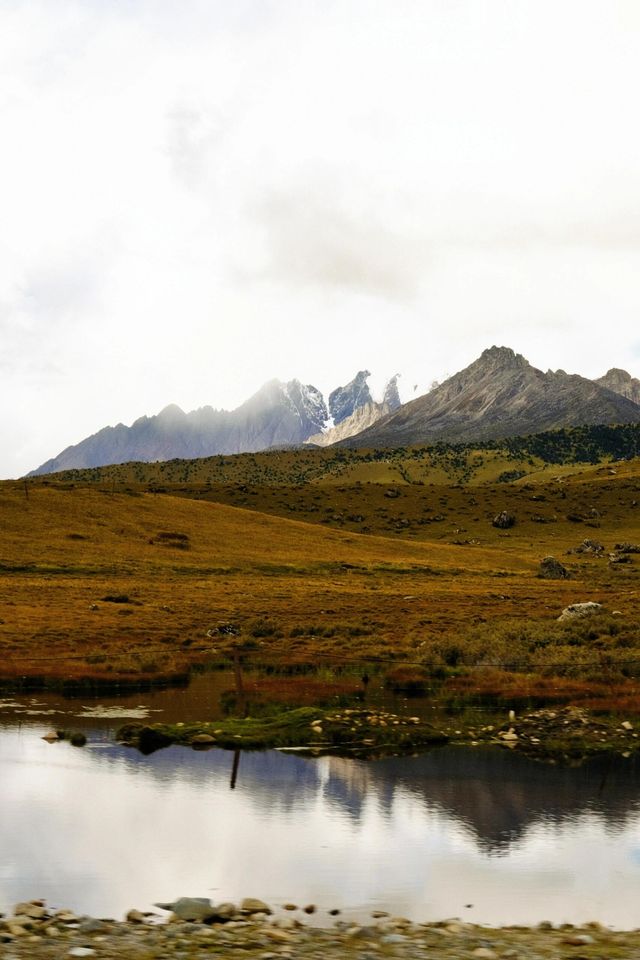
[
  {"x": 576, "y": 610},
  {"x": 552, "y": 569},
  {"x": 504, "y": 520},
  {"x": 588, "y": 546},
  {"x": 616, "y": 558},
  {"x": 627, "y": 547}
]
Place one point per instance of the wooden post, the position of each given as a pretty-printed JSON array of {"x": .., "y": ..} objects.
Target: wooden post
[
  {"x": 237, "y": 672},
  {"x": 234, "y": 769}
]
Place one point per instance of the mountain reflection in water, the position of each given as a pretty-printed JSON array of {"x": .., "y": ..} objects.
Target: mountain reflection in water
[{"x": 104, "y": 828}]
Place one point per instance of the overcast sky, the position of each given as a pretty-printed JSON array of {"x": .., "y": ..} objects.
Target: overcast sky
[{"x": 199, "y": 195}]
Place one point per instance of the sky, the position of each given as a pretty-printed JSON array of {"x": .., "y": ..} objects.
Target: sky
[{"x": 199, "y": 196}]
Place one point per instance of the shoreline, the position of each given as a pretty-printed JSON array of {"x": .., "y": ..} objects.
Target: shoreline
[
  {"x": 565, "y": 735},
  {"x": 194, "y": 928}
]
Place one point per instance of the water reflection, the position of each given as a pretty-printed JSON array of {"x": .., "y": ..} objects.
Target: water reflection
[{"x": 104, "y": 828}]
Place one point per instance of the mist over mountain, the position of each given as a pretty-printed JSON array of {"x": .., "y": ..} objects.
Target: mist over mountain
[
  {"x": 278, "y": 415},
  {"x": 500, "y": 395}
]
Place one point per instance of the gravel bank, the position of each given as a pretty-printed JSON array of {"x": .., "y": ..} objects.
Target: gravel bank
[{"x": 229, "y": 931}]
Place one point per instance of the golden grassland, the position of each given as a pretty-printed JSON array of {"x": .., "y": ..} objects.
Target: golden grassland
[{"x": 111, "y": 574}]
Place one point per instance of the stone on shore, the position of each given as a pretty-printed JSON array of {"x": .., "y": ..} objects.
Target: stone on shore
[
  {"x": 34, "y": 909},
  {"x": 191, "y": 908},
  {"x": 252, "y": 905}
]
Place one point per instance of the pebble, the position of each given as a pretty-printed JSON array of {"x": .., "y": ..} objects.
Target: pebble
[
  {"x": 259, "y": 935},
  {"x": 135, "y": 916}
]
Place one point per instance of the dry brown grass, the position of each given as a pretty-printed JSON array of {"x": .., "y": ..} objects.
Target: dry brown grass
[{"x": 417, "y": 570}]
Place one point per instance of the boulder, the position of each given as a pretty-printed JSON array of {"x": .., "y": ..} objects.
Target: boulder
[
  {"x": 589, "y": 546},
  {"x": 252, "y": 905},
  {"x": 136, "y": 916},
  {"x": 576, "y": 610},
  {"x": 503, "y": 520},
  {"x": 34, "y": 909},
  {"x": 149, "y": 739},
  {"x": 191, "y": 908},
  {"x": 225, "y": 912},
  {"x": 552, "y": 569},
  {"x": 627, "y": 547}
]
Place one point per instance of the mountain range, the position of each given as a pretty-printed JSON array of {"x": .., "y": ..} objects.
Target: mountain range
[
  {"x": 499, "y": 395},
  {"x": 278, "y": 415}
]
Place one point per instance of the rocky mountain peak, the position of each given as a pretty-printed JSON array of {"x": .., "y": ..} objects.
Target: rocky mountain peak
[
  {"x": 502, "y": 358},
  {"x": 343, "y": 401},
  {"x": 391, "y": 398},
  {"x": 308, "y": 403},
  {"x": 172, "y": 413},
  {"x": 500, "y": 395},
  {"x": 622, "y": 383},
  {"x": 615, "y": 373}
]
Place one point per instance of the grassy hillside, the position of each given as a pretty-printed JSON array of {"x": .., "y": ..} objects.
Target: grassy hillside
[
  {"x": 96, "y": 581},
  {"x": 134, "y": 582},
  {"x": 439, "y": 463},
  {"x": 323, "y": 564}
]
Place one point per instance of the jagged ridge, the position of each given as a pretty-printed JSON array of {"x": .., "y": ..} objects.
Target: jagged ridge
[{"x": 499, "y": 395}]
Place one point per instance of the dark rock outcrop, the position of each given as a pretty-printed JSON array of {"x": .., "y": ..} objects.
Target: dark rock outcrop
[
  {"x": 552, "y": 569},
  {"x": 504, "y": 520}
]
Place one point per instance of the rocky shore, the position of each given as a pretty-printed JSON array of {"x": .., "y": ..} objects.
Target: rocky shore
[
  {"x": 194, "y": 928},
  {"x": 565, "y": 735}
]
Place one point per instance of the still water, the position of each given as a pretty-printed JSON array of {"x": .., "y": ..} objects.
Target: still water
[{"x": 479, "y": 834}]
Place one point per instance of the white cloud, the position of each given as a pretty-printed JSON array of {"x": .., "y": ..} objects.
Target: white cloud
[{"x": 198, "y": 197}]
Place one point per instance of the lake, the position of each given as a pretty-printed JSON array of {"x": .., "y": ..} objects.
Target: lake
[{"x": 481, "y": 834}]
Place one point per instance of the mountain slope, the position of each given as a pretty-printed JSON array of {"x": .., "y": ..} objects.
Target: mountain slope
[
  {"x": 278, "y": 413},
  {"x": 499, "y": 395}
]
